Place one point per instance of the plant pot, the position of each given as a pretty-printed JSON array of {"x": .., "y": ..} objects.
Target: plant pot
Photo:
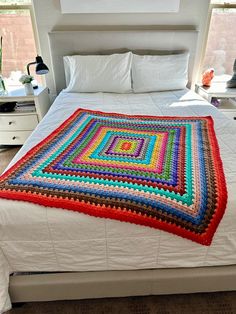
[{"x": 28, "y": 89}]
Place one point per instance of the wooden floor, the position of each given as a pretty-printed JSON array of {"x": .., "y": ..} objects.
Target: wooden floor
[
  {"x": 204, "y": 303},
  {"x": 6, "y": 155},
  {"x": 212, "y": 303}
]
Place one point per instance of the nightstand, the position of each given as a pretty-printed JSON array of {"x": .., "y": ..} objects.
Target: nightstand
[
  {"x": 226, "y": 95},
  {"x": 16, "y": 126}
]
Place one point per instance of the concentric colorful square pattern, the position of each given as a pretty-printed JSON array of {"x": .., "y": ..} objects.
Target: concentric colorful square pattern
[{"x": 162, "y": 172}]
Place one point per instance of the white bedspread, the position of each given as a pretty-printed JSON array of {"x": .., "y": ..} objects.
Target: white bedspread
[{"x": 35, "y": 238}]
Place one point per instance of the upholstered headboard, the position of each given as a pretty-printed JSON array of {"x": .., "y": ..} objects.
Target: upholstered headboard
[{"x": 146, "y": 41}]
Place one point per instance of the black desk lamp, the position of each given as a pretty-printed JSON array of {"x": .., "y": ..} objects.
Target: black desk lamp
[{"x": 40, "y": 69}]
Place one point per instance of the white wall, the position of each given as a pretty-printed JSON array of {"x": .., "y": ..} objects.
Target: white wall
[{"x": 48, "y": 17}]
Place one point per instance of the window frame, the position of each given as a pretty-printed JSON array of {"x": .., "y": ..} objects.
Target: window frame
[
  {"x": 30, "y": 8},
  {"x": 212, "y": 6},
  {"x": 225, "y": 5}
]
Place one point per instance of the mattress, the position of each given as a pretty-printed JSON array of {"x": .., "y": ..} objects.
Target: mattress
[{"x": 36, "y": 238}]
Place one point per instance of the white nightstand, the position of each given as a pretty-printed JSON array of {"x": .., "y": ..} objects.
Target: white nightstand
[
  {"x": 16, "y": 126},
  {"x": 226, "y": 95}
]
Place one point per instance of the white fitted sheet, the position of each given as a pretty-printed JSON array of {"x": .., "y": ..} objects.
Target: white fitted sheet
[{"x": 36, "y": 238}]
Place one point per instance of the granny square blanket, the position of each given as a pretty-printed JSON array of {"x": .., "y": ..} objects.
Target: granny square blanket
[{"x": 162, "y": 172}]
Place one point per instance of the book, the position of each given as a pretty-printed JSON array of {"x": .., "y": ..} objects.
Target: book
[{"x": 25, "y": 106}]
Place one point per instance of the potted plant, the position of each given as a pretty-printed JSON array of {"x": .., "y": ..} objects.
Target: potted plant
[
  {"x": 26, "y": 80},
  {"x": 2, "y": 84}
]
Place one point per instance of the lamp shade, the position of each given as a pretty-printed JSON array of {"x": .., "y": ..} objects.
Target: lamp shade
[{"x": 41, "y": 67}]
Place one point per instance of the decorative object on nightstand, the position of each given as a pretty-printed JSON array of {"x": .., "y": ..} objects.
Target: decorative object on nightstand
[
  {"x": 40, "y": 69},
  {"x": 207, "y": 77},
  {"x": 26, "y": 81},
  {"x": 215, "y": 102},
  {"x": 3, "y": 90},
  {"x": 232, "y": 82},
  {"x": 16, "y": 126}
]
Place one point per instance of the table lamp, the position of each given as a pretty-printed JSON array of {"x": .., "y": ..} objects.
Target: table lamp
[
  {"x": 232, "y": 82},
  {"x": 40, "y": 68}
]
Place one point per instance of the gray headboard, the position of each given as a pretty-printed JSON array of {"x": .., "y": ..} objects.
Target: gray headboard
[{"x": 63, "y": 43}]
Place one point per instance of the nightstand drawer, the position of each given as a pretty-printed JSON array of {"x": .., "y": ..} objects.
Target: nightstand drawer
[
  {"x": 11, "y": 122},
  {"x": 229, "y": 114},
  {"x": 14, "y": 137}
]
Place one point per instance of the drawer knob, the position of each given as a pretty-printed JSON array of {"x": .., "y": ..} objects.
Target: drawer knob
[
  {"x": 10, "y": 122},
  {"x": 14, "y": 137}
]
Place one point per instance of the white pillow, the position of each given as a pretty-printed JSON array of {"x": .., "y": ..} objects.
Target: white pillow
[
  {"x": 159, "y": 73},
  {"x": 100, "y": 73}
]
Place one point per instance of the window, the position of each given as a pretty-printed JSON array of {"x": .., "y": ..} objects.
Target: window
[
  {"x": 221, "y": 44},
  {"x": 19, "y": 47}
]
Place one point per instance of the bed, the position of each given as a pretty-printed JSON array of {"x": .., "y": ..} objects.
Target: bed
[{"x": 72, "y": 255}]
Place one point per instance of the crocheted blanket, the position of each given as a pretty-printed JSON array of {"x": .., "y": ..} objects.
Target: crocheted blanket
[{"x": 162, "y": 172}]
